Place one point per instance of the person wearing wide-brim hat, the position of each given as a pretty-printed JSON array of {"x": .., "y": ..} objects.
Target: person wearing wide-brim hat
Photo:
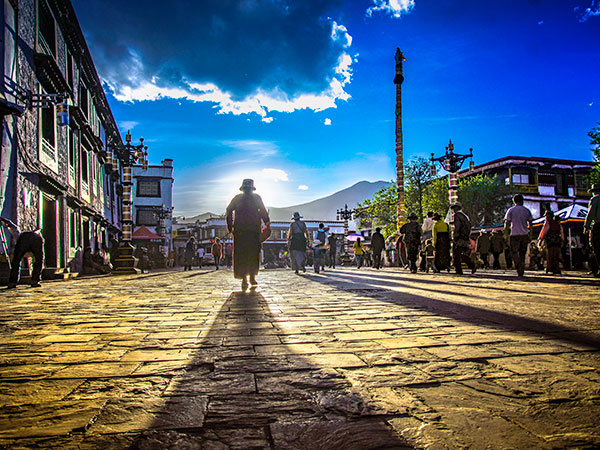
[
  {"x": 297, "y": 241},
  {"x": 244, "y": 216},
  {"x": 592, "y": 223},
  {"x": 411, "y": 234}
]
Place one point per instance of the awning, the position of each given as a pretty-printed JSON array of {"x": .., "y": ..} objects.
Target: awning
[
  {"x": 574, "y": 213},
  {"x": 144, "y": 233}
]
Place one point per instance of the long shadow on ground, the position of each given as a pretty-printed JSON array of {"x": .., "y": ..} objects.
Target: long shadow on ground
[
  {"x": 235, "y": 395},
  {"x": 480, "y": 316}
]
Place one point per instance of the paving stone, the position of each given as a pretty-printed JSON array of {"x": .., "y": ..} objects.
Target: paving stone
[
  {"x": 348, "y": 435},
  {"x": 35, "y": 392},
  {"x": 134, "y": 414},
  {"x": 287, "y": 349},
  {"x": 538, "y": 363},
  {"x": 96, "y": 370},
  {"x": 383, "y": 359},
  {"x": 52, "y": 418}
]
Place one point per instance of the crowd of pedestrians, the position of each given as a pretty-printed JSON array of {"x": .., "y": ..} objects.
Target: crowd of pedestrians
[{"x": 439, "y": 244}]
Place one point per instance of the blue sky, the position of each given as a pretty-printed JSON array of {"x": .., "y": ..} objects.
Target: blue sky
[{"x": 299, "y": 94}]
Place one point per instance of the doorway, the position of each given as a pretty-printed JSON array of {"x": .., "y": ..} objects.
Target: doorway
[{"x": 50, "y": 231}]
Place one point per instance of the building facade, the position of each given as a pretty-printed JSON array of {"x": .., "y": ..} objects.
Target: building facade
[
  {"x": 57, "y": 168},
  {"x": 152, "y": 196},
  {"x": 546, "y": 183}
]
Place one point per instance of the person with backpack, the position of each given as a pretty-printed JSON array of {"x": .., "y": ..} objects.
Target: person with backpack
[
  {"x": 319, "y": 246},
  {"x": 297, "y": 240},
  {"x": 553, "y": 236},
  {"x": 411, "y": 235}
]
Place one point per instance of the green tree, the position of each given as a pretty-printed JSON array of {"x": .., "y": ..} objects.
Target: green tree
[
  {"x": 484, "y": 199},
  {"x": 435, "y": 196},
  {"x": 380, "y": 210},
  {"x": 594, "y": 135},
  {"x": 417, "y": 175}
]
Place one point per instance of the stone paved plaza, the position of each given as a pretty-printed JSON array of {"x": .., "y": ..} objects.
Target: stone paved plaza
[{"x": 348, "y": 359}]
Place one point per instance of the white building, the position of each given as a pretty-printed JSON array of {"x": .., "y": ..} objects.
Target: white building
[{"x": 153, "y": 193}]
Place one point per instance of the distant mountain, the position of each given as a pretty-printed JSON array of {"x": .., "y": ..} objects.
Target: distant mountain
[
  {"x": 325, "y": 208},
  {"x": 200, "y": 217}
]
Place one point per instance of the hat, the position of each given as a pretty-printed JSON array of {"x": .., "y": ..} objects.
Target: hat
[
  {"x": 412, "y": 216},
  {"x": 595, "y": 188},
  {"x": 297, "y": 216},
  {"x": 456, "y": 205},
  {"x": 247, "y": 184}
]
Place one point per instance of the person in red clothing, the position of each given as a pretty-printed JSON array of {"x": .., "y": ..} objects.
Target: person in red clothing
[
  {"x": 553, "y": 236},
  {"x": 217, "y": 251}
]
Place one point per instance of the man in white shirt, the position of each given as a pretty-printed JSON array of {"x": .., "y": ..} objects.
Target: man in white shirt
[
  {"x": 427, "y": 228},
  {"x": 518, "y": 219}
]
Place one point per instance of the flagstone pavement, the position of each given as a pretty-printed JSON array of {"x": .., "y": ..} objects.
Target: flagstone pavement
[{"x": 347, "y": 359}]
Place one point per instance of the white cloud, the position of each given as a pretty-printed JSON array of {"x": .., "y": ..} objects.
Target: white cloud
[
  {"x": 593, "y": 10},
  {"x": 394, "y": 8},
  {"x": 257, "y": 149},
  {"x": 261, "y": 101},
  {"x": 128, "y": 124},
  {"x": 327, "y": 121},
  {"x": 274, "y": 174},
  {"x": 303, "y": 187}
]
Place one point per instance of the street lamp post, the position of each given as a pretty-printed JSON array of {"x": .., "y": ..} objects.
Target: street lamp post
[
  {"x": 129, "y": 155},
  {"x": 345, "y": 215},
  {"x": 163, "y": 213},
  {"x": 451, "y": 162}
]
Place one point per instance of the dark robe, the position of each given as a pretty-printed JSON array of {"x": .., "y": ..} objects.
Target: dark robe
[{"x": 244, "y": 215}]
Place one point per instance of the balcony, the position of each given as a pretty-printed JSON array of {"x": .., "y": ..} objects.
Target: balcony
[
  {"x": 47, "y": 155},
  {"x": 72, "y": 179},
  {"x": 526, "y": 188},
  {"x": 47, "y": 70},
  {"x": 85, "y": 191}
]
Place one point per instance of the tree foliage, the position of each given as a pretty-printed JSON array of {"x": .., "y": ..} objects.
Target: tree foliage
[
  {"x": 594, "y": 135},
  {"x": 484, "y": 199},
  {"x": 380, "y": 210},
  {"x": 417, "y": 175},
  {"x": 436, "y": 196}
]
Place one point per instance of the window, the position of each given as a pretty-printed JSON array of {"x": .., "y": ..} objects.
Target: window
[
  {"x": 83, "y": 100},
  {"x": 47, "y": 29},
  {"x": 581, "y": 181},
  {"x": 146, "y": 216},
  {"x": 49, "y": 125},
  {"x": 547, "y": 179},
  {"x": 69, "y": 70},
  {"x": 148, "y": 188},
  {"x": 71, "y": 148},
  {"x": 520, "y": 178},
  {"x": 84, "y": 165},
  {"x": 72, "y": 229}
]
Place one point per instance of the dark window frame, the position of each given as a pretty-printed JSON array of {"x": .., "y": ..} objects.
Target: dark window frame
[
  {"x": 140, "y": 222},
  {"x": 148, "y": 180}
]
